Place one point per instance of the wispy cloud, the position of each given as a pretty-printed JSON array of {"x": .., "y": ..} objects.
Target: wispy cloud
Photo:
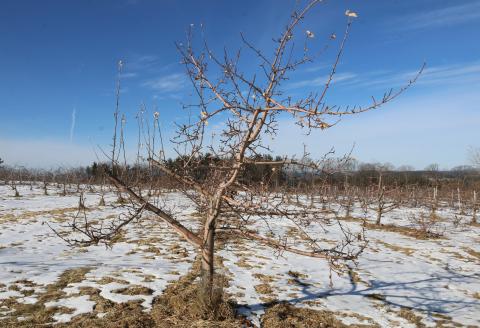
[
  {"x": 129, "y": 75},
  {"x": 321, "y": 80},
  {"x": 440, "y": 77},
  {"x": 460, "y": 13},
  {"x": 72, "y": 125},
  {"x": 318, "y": 67},
  {"x": 455, "y": 74},
  {"x": 141, "y": 63},
  {"x": 168, "y": 83}
]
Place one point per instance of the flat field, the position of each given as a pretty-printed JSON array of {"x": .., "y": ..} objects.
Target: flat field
[{"x": 400, "y": 280}]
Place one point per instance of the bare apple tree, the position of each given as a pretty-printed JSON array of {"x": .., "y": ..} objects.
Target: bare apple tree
[
  {"x": 383, "y": 200},
  {"x": 226, "y": 130}
]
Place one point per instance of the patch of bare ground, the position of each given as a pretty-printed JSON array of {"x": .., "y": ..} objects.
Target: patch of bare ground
[
  {"x": 108, "y": 280},
  {"x": 355, "y": 278},
  {"x": 128, "y": 315},
  {"x": 268, "y": 294},
  {"x": 406, "y": 231},
  {"x": 414, "y": 232},
  {"x": 176, "y": 251},
  {"x": 134, "y": 290},
  {"x": 375, "y": 296},
  {"x": 285, "y": 315},
  {"x": 266, "y": 291},
  {"x": 33, "y": 315},
  {"x": 243, "y": 263},
  {"x": 441, "y": 320},
  {"x": 405, "y": 250},
  {"x": 444, "y": 321},
  {"x": 411, "y": 317},
  {"x": 59, "y": 214},
  {"x": 296, "y": 278},
  {"x": 185, "y": 303},
  {"x": 473, "y": 256},
  {"x": 472, "y": 252},
  {"x": 349, "y": 218}
]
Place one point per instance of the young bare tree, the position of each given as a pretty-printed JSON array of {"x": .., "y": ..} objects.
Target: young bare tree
[
  {"x": 383, "y": 201},
  {"x": 474, "y": 207},
  {"x": 347, "y": 198},
  {"x": 245, "y": 109}
]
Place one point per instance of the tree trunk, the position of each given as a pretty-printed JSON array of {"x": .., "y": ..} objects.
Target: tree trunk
[
  {"x": 379, "y": 216},
  {"x": 474, "y": 214},
  {"x": 208, "y": 269}
]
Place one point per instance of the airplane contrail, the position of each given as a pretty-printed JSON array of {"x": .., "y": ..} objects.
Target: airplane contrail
[{"x": 72, "y": 127}]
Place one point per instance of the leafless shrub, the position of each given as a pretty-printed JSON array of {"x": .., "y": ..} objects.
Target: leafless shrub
[{"x": 428, "y": 225}]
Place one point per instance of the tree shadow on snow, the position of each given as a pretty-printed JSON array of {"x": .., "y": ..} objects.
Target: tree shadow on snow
[{"x": 426, "y": 295}]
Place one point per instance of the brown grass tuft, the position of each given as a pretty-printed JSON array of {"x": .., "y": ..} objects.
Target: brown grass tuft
[
  {"x": 185, "y": 304},
  {"x": 411, "y": 317},
  {"x": 134, "y": 290},
  {"x": 285, "y": 315}
]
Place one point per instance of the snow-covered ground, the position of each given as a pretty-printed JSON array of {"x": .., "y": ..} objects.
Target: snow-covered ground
[{"x": 398, "y": 280}]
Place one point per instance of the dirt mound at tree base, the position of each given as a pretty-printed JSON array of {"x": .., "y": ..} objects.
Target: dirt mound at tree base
[{"x": 186, "y": 303}]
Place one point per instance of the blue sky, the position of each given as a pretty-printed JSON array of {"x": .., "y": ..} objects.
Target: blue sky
[{"x": 58, "y": 71}]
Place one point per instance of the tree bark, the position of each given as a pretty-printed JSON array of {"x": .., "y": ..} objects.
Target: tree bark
[
  {"x": 379, "y": 216},
  {"x": 207, "y": 266},
  {"x": 208, "y": 248}
]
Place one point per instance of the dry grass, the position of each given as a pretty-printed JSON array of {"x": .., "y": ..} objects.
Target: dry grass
[
  {"x": 152, "y": 249},
  {"x": 297, "y": 275},
  {"x": 128, "y": 315},
  {"x": 242, "y": 262},
  {"x": 264, "y": 288},
  {"x": 265, "y": 278},
  {"x": 406, "y": 231},
  {"x": 108, "y": 280},
  {"x": 411, "y": 317},
  {"x": 354, "y": 277},
  {"x": 185, "y": 304},
  {"x": 177, "y": 251},
  {"x": 475, "y": 224},
  {"x": 405, "y": 250},
  {"x": 285, "y": 315},
  {"x": 375, "y": 296},
  {"x": 472, "y": 252},
  {"x": 38, "y": 314},
  {"x": 134, "y": 290},
  {"x": 58, "y": 214},
  {"x": 296, "y": 278}
]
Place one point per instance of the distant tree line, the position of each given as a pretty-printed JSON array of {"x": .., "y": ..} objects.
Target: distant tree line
[{"x": 271, "y": 175}]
